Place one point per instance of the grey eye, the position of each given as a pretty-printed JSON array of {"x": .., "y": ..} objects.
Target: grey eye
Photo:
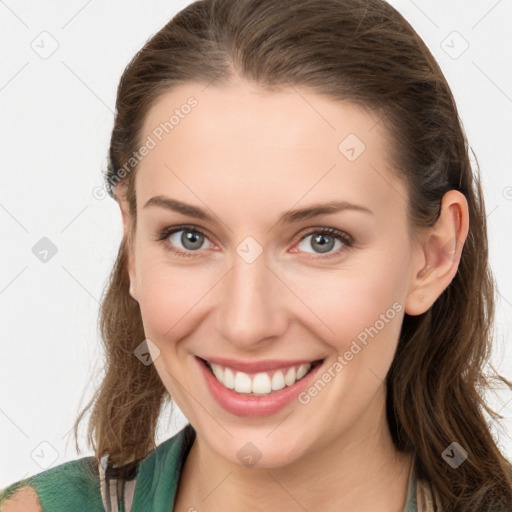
[
  {"x": 320, "y": 242},
  {"x": 187, "y": 239}
]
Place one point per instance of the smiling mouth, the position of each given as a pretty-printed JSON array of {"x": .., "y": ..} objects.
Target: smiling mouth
[{"x": 260, "y": 383}]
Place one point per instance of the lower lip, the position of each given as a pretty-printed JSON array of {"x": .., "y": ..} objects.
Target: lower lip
[{"x": 254, "y": 406}]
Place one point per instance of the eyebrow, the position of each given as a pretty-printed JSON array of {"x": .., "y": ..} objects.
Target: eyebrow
[{"x": 289, "y": 217}]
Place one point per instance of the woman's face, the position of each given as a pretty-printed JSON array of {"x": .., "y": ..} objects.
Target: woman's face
[{"x": 252, "y": 278}]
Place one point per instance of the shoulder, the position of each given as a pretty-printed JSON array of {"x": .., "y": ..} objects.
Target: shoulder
[
  {"x": 23, "y": 499},
  {"x": 68, "y": 486},
  {"x": 78, "y": 484}
]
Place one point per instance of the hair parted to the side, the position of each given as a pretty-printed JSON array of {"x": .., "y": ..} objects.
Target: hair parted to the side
[{"x": 364, "y": 52}]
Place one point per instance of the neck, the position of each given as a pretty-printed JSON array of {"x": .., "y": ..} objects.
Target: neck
[{"x": 360, "y": 470}]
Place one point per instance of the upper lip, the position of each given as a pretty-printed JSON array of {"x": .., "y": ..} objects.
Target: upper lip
[{"x": 257, "y": 366}]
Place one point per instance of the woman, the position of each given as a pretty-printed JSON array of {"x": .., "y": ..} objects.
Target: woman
[{"x": 303, "y": 270}]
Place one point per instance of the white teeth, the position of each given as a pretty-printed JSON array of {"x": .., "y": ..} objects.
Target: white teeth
[
  {"x": 278, "y": 381},
  {"x": 289, "y": 378},
  {"x": 229, "y": 379},
  {"x": 303, "y": 369},
  {"x": 261, "y": 383},
  {"x": 242, "y": 383},
  {"x": 217, "y": 371}
]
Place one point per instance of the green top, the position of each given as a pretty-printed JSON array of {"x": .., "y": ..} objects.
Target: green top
[{"x": 77, "y": 485}]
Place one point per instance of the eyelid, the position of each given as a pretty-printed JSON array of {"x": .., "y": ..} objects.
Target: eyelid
[
  {"x": 325, "y": 229},
  {"x": 170, "y": 230},
  {"x": 345, "y": 238}
]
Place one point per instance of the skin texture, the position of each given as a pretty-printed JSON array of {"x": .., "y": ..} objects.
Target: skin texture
[
  {"x": 23, "y": 500},
  {"x": 246, "y": 156}
]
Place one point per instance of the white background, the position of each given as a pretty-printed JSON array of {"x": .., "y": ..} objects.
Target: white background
[{"x": 56, "y": 119}]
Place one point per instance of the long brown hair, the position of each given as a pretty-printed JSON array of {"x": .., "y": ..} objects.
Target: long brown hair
[{"x": 364, "y": 52}]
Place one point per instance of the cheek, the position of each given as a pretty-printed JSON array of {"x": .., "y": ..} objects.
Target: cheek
[
  {"x": 170, "y": 297},
  {"x": 356, "y": 304},
  {"x": 359, "y": 301}
]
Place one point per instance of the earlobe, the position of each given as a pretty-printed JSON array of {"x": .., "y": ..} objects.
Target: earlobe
[
  {"x": 132, "y": 292},
  {"x": 439, "y": 258},
  {"x": 131, "y": 271},
  {"x": 122, "y": 201},
  {"x": 127, "y": 237}
]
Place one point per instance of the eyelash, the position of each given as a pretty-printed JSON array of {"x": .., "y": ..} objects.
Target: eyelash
[{"x": 333, "y": 232}]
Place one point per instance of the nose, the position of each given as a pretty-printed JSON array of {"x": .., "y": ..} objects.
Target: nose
[{"x": 251, "y": 305}]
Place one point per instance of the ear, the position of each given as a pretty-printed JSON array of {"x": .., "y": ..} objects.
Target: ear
[
  {"x": 128, "y": 235},
  {"x": 439, "y": 254}
]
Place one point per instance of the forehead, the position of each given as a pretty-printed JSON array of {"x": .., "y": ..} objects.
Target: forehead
[{"x": 241, "y": 140}]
